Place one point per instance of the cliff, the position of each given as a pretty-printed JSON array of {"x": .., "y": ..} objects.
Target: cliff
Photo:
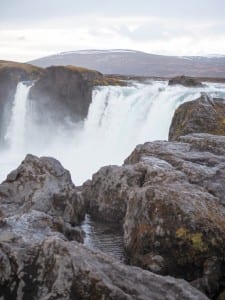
[
  {"x": 59, "y": 95},
  {"x": 62, "y": 93}
]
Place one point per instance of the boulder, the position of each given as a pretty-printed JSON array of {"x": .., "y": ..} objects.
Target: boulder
[
  {"x": 173, "y": 207},
  {"x": 37, "y": 200},
  {"x": 203, "y": 115},
  {"x": 185, "y": 81},
  {"x": 41, "y": 184}
]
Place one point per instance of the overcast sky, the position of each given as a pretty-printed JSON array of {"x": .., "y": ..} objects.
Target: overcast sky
[{"x": 34, "y": 28}]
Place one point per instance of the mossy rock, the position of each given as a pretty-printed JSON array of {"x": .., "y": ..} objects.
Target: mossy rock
[{"x": 204, "y": 115}]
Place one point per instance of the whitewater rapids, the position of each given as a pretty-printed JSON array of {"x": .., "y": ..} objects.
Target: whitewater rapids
[{"x": 119, "y": 118}]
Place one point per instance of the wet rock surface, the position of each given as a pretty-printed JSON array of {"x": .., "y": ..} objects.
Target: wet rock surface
[
  {"x": 204, "y": 115},
  {"x": 40, "y": 257},
  {"x": 172, "y": 199}
]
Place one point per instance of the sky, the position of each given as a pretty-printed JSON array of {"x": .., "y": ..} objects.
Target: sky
[{"x": 31, "y": 29}]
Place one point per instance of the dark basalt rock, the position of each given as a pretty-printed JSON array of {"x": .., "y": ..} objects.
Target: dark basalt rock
[
  {"x": 205, "y": 114},
  {"x": 185, "y": 81},
  {"x": 173, "y": 207}
]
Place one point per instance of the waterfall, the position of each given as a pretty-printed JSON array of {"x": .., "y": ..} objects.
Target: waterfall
[
  {"x": 15, "y": 134},
  {"x": 119, "y": 118}
]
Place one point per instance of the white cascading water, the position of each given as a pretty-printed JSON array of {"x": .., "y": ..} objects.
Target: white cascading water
[
  {"x": 11, "y": 157},
  {"x": 119, "y": 118},
  {"x": 15, "y": 134}
]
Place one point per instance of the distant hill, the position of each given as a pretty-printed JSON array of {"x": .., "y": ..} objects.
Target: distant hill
[{"x": 129, "y": 62}]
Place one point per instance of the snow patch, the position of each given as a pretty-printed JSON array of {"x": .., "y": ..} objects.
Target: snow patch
[{"x": 98, "y": 51}]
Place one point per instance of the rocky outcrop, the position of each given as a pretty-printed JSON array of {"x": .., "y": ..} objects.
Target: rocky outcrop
[
  {"x": 63, "y": 93},
  {"x": 173, "y": 207},
  {"x": 205, "y": 114},
  {"x": 38, "y": 199},
  {"x": 185, "y": 81},
  {"x": 43, "y": 185},
  {"x": 10, "y": 74},
  {"x": 40, "y": 258}
]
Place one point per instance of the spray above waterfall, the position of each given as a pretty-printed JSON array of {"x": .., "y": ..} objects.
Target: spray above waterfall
[{"x": 119, "y": 118}]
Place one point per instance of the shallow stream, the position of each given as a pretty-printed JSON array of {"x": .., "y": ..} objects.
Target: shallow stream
[{"x": 104, "y": 236}]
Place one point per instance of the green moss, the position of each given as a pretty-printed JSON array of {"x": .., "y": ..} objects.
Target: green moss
[
  {"x": 195, "y": 240},
  {"x": 108, "y": 81}
]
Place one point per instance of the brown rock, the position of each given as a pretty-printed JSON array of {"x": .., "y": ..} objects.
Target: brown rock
[
  {"x": 202, "y": 115},
  {"x": 63, "y": 93},
  {"x": 106, "y": 193},
  {"x": 221, "y": 296}
]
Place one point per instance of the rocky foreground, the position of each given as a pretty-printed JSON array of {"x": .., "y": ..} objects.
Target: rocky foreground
[
  {"x": 168, "y": 197},
  {"x": 40, "y": 253}
]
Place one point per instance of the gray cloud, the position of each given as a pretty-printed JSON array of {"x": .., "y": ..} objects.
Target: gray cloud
[
  {"x": 29, "y": 29},
  {"x": 154, "y": 30},
  {"x": 27, "y": 10}
]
